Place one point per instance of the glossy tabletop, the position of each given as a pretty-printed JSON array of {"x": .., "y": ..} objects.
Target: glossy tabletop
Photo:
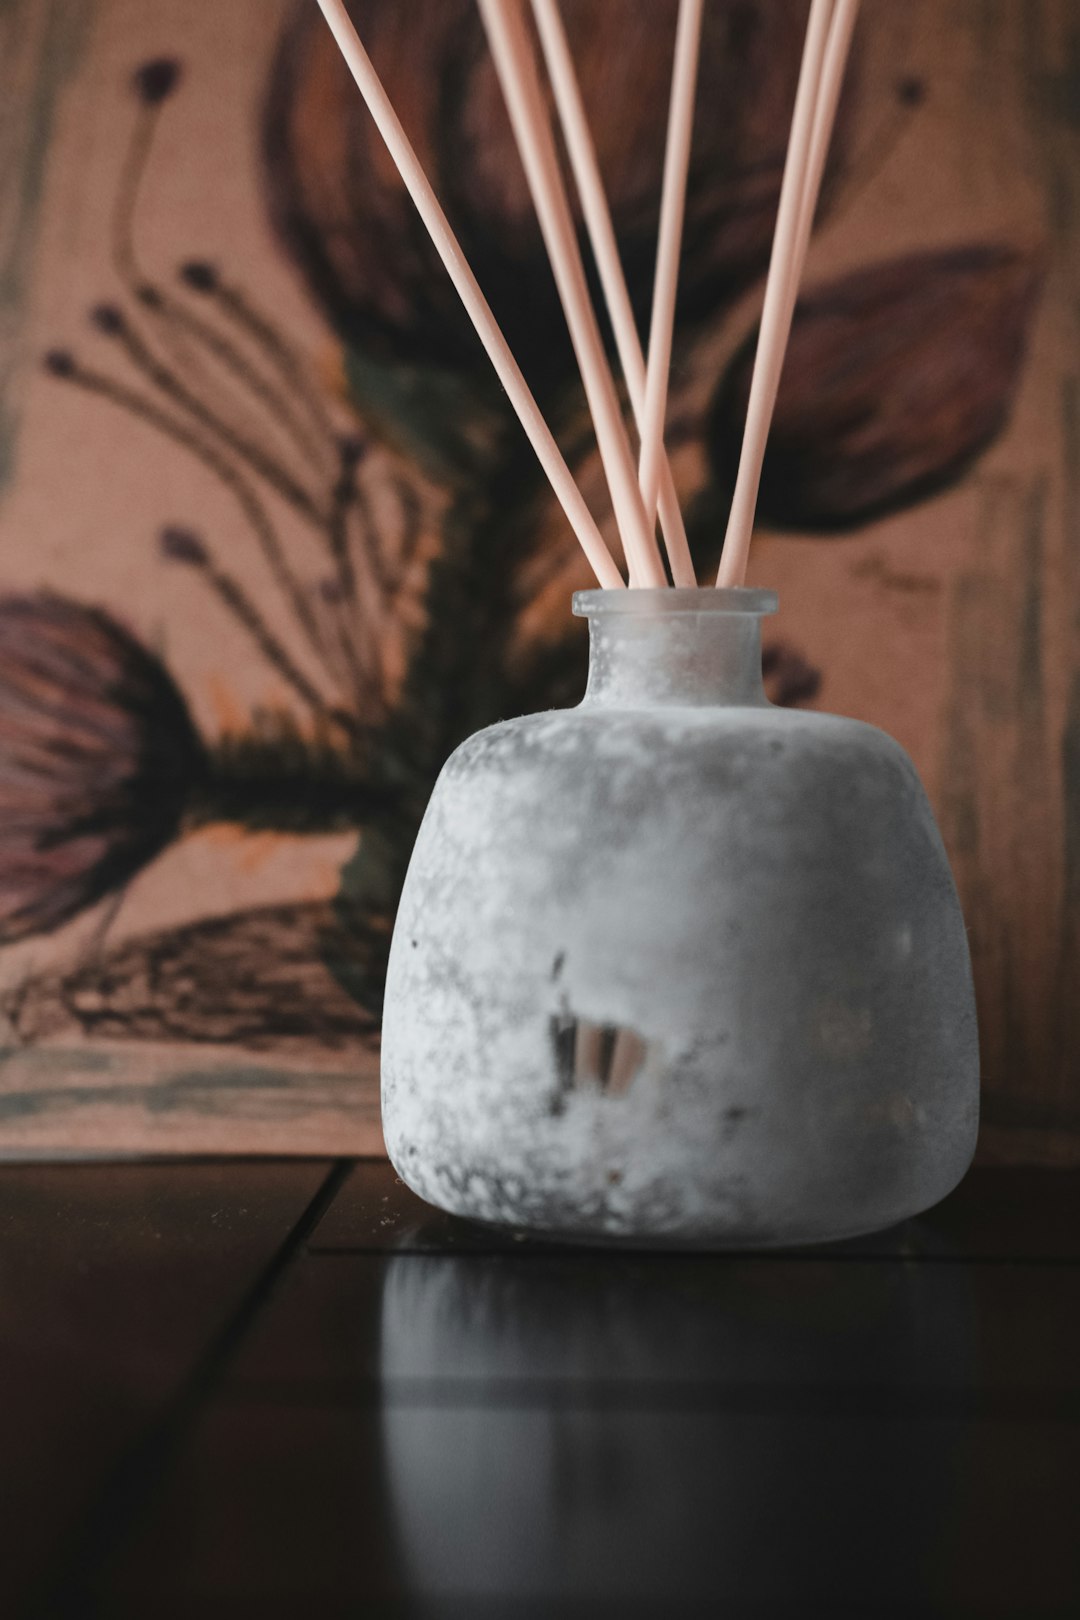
[{"x": 260, "y": 1387}]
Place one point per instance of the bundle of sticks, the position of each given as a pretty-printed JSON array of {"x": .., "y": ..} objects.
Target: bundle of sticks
[{"x": 641, "y": 492}]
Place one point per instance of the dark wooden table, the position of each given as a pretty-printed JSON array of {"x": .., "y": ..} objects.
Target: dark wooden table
[{"x": 288, "y": 1388}]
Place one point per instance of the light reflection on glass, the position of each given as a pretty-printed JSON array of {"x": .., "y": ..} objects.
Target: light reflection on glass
[{"x": 671, "y": 1428}]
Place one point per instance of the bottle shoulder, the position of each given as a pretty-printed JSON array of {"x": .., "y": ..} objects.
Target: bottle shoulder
[
  {"x": 767, "y": 761},
  {"x": 606, "y": 732},
  {"x": 732, "y": 778}
]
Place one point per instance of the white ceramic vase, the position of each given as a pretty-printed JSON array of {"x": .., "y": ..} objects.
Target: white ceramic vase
[{"x": 677, "y": 967}]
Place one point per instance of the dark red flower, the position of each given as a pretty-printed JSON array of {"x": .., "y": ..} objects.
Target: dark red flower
[{"x": 98, "y": 755}]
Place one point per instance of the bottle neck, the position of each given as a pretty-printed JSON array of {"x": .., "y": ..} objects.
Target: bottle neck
[{"x": 675, "y": 660}]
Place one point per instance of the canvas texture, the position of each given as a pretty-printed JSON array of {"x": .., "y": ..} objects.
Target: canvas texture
[{"x": 272, "y": 544}]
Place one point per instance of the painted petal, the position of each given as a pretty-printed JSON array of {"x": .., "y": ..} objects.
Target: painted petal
[{"x": 896, "y": 378}]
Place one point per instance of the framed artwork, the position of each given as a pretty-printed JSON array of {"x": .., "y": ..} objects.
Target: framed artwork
[{"x": 271, "y": 543}]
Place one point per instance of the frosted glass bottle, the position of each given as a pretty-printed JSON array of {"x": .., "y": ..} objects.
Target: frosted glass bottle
[{"x": 677, "y": 967}]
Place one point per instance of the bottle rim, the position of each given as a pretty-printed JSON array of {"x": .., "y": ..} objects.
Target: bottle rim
[{"x": 661, "y": 601}]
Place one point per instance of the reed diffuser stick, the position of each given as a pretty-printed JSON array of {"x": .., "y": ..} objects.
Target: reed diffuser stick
[
  {"x": 515, "y": 65},
  {"x": 837, "y": 50},
  {"x": 574, "y": 122},
  {"x": 669, "y": 246},
  {"x": 778, "y": 306},
  {"x": 468, "y": 289}
]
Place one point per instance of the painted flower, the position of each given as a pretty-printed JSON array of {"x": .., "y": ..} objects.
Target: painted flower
[
  {"x": 341, "y": 211},
  {"x": 897, "y": 377},
  {"x": 98, "y": 755}
]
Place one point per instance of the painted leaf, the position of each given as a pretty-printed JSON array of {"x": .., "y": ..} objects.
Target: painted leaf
[
  {"x": 896, "y": 378},
  {"x": 257, "y": 978}
]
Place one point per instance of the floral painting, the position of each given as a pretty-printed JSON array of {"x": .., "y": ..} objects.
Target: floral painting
[{"x": 272, "y": 543}]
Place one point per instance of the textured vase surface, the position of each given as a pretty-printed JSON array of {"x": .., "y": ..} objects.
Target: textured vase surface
[{"x": 677, "y": 967}]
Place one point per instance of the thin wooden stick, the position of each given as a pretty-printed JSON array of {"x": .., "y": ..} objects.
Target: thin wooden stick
[
  {"x": 837, "y": 50},
  {"x": 590, "y": 187},
  {"x": 669, "y": 246},
  {"x": 515, "y": 65},
  {"x": 776, "y": 313},
  {"x": 468, "y": 289}
]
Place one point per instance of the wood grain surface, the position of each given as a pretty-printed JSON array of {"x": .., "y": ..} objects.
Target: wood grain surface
[{"x": 289, "y": 1388}]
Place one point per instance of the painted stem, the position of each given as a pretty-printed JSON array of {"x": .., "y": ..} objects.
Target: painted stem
[
  {"x": 164, "y": 310},
  {"x": 236, "y": 365},
  {"x": 590, "y": 187},
  {"x": 243, "y": 609},
  {"x": 468, "y": 290},
  {"x": 669, "y": 246},
  {"x": 515, "y": 65},
  {"x": 209, "y": 453},
  {"x": 234, "y": 303},
  {"x": 778, "y": 305},
  {"x": 250, "y": 451}
]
